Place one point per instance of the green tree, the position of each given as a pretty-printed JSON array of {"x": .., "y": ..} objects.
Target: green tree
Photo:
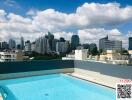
[
  {"x": 100, "y": 51},
  {"x": 93, "y": 49},
  {"x": 124, "y": 52}
]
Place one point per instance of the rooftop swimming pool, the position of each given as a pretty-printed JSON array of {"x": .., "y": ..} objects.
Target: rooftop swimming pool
[{"x": 54, "y": 87}]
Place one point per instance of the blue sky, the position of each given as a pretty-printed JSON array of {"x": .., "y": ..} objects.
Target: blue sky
[
  {"x": 12, "y": 8},
  {"x": 67, "y": 6}
]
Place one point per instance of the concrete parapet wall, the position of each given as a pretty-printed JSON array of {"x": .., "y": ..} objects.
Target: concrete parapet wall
[
  {"x": 30, "y": 68},
  {"x": 119, "y": 71},
  {"x": 106, "y": 74},
  {"x": 35, "y": 73}
]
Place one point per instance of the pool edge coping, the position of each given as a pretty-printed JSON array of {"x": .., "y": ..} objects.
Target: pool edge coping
[{"x": 91, "y": 81}]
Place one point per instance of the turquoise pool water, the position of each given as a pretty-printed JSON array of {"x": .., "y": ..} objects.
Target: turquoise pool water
[{"x": 54, "y": 87}]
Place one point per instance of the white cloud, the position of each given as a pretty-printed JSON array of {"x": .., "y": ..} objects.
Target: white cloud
[
  {"x": 66, "y": 35},
  {"x": 2, "y": 16},
  {"x": 93, "y": 35},
  {"x": 93, "y": 14},
  {"x": 88, "y": 15},
  {"x": 32, "y": 12},
  {"x": 105, "y": 14},
  {"x": 11, "y": 3},
  {"x": 129, "y": 34}
]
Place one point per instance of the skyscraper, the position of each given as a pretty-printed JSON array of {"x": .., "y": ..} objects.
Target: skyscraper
[
  {"x": 74, "y": 41},
  {"x": 27, "y": 46},
  {"x": 42, "y": 46},
  {"x": 54, "y": 42},
  {"x": 33, "y": 47},
  {"x": 12, "y": 44},
  {"x": 3, "y": 45},
  {"x": 18, "y": 46},
  {"x": 62, "y": 47},
  {"x": 105, "y": 44},
  {"x": 22, "y": 43},
  {"x": 50, "y": 38},
  {"x": 62, "y": 39},
  {"x": 130, "y": 43}
]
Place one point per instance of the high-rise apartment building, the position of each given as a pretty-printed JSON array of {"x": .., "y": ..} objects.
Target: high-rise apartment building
[
  {"x": 54, "y": 42},
  {"x": 75, "y": 41},
  {"x": 22, "y": 43},
  {"x": 3, "y": 45},
  {"x": 130, "y": 43},
  {"x": 33, "y": 46},
  {"x": 62, "y": 47},
  {"x": 42, "y": 46},
  {"x": 106, "y": 44},
  {"x": 27, "y": 46},
  {"x": 50, "y": 38},
  {"x": 12, "y": 44}
]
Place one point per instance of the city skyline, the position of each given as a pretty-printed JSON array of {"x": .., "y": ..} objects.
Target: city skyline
[
  {"x": 22, "y": 41},
  {"x": 85, "y": 19}
]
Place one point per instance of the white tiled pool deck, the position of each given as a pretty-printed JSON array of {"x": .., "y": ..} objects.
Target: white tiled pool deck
[
  {"x": 1, "y": 97},
  {"x": 95, "y": 77}
]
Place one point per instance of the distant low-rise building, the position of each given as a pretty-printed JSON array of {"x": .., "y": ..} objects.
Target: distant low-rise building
[
  {"x": 69, "y": 57},
  {"x": 11, "y": 56},
  {"x": 112, "y": 56},
  {"x": 78, "y": 54},
  {"x": 130, "y": 53},
  {"x": 102, "y": 57},
  {"x": 81, "y": 54},
  {"x": 19, "y": 55},
  {"x": 7, "y": 56}
]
